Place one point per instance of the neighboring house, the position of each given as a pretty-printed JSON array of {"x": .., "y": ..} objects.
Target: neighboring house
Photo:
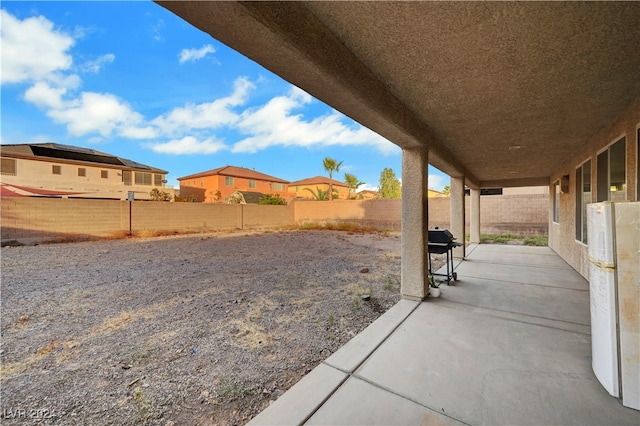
[
  {"x": 432, "y": 193},
  {"x": 367, "y": 194},
  {"x": 217, "y": 185},
  {"x": 298, "y": 188},
  {"x": 54, "y": 170}
]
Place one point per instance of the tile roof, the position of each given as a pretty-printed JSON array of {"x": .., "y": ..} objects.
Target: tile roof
[
  {"x": 74, "y": 154},
  {"x": 234, "y": 171},
  {"x": 318, "y": 180}
]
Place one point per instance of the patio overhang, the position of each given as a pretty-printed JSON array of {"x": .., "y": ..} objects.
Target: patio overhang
[{"x": 501, "y": 93}]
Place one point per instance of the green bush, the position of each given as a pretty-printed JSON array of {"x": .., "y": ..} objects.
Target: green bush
[{"x": 273, "y": 199}]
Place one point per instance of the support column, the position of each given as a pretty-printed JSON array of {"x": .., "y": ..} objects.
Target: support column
[
  {"x": 415, "y": 219},
  {"x": 475, "y": 217},
  {"x": 457, "y": 214}
]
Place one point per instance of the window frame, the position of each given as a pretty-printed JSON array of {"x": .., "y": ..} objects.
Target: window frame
[
  {"x": 104, "y": 174},
  {"x": 580, "y": 204},
  {"x": 143, "y": 178},
  {"x": 56, "y": 169},
  {"x": 13, "y": 169},
  {"x": 82, "y": 172},
  {"x": 127, "y": 178},
  {"x": 228, "y": 181},
  {"x": 277, "y": 186},
  {"x": 603, "y": 170},
  {"x": 556, "y": 202},
  {"x": 252, "y": 183}
]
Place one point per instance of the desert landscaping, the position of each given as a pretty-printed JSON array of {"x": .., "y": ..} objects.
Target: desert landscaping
[{"x": 202, "y": 330}]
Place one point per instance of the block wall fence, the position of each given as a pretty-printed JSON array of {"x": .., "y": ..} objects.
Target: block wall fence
[{"x": 37, "y": 220}]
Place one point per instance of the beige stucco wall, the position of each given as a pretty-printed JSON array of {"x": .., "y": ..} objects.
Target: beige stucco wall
[
  {"x": 38, "y": 174},
  {"x": 562, "y": 234}
]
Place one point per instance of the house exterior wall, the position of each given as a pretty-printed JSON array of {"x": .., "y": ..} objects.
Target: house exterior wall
[
  {"x": 205, "y": 188},
  {"x": 562, "y": 233},
  {"x": 39, "y": 174}
]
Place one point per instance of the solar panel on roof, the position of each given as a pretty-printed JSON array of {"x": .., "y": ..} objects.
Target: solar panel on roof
[
  {"x": 75, "y": 148},
  {"x": 134, "y": 164},
  {"x": 43, "y": 151}
]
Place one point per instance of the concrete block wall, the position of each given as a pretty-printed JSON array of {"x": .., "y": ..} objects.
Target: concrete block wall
[
  {"x": 185, "y": 217},
  {"x": 518, "y": 214},
  {"x": 257, "y": 216},
  {"x": 336, "y": 210},
  {"x": 32, "y": 220}
]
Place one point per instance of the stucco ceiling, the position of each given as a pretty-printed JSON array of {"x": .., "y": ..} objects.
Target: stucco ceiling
[{"x": 501, "y": 92}]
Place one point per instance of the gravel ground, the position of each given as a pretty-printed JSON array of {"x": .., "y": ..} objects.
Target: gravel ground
[{"x": 190, "y": 330}]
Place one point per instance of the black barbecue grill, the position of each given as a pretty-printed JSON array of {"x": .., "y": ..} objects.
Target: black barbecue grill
[{"x": 441, "y": 241}]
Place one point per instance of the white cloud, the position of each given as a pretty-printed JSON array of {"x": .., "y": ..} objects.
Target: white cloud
[
  {"x": 45, "y": 96},
  {"x": 157, "y": 29},
  {"x": 32, "y": 49},
  {"x": 367, "y": 187},
  {"x": 96, "y": 112},
  {"x": 437, "y": 182},
  {"x": 188, "y": 145},
  {"x": 276, "y": 124},
  {"x": 208, "y": 115},
  {"x": 96, "y": 65},
  {"x": 34, "y": 52},
  {"x": 193, "y": 55}
]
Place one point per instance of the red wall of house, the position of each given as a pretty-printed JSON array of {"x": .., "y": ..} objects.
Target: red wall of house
[{"x": 205, "y": 188}]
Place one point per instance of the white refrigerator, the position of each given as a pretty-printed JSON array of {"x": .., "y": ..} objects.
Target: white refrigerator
[{"x": 613, "y": 231}]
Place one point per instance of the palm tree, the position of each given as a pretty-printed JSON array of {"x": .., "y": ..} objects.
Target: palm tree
[
  {"x": 352, "y": 182},
  {"x": 330, "y": 166},
  {"x": 320, "y": 195}
]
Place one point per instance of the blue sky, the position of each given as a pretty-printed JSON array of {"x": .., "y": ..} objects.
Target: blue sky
[{"x": 134, "y": 80}]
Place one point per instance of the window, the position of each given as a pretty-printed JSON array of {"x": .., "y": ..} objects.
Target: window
[
  {"x": 82, "y": 172},
  {"x": 8, "y": 167},
  {"x": 201, "y": 182},
  {"x": 228, "y": 181},
  {"x": 556, "y": 202},
  {"x": 104, "y": 174},
  {"x": 157, "y": 180},
  {"x": 56, "y": 170},
  {"x": 143, "y": 178},
  {"x": 126, "y": 177},
  {"x": 252, "y": 183},
  {"x": 611, "y": 173},
  {"x": 583, "y": 197},
  {"x": 277, "y": 186}
]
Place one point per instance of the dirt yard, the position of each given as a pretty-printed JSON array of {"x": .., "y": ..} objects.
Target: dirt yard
[{"x": 191, "y": 330}]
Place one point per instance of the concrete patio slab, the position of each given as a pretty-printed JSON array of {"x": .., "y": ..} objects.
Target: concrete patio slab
[
  {"x": 534, "y": 274},
  {"x": 359, "y": 402},
  {"x": 303, "y": 399},
  {"x": 518, "y": 255},
  {"x": 473, "y": 366},
  {"x": 489, "y": 351},
  {"x": 512, "y": 296}
]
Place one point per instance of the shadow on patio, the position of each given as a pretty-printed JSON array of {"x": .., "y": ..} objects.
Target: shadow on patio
[{"x": 508, "y": 344}]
